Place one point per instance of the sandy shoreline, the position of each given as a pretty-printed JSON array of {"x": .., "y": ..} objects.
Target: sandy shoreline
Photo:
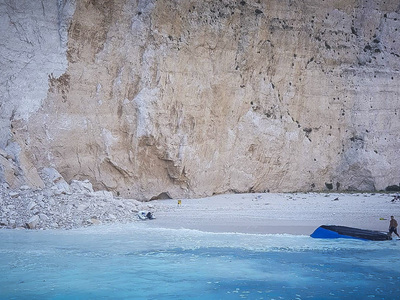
[
  {"x": 260, "y": 213},
  {"x": 270, "y": 213}
]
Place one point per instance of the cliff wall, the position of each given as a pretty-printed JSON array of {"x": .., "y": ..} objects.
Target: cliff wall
[{"x": 189, "y": 98}]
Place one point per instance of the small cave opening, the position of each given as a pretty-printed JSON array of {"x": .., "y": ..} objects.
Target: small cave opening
[{"x": 162, "y": 196}]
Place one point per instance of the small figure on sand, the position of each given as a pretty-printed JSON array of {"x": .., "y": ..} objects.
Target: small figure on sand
[
  {"x": 393, "y": 226},
  {"x": 396, "y": 198},
  {"x": 145, "y": 215}
]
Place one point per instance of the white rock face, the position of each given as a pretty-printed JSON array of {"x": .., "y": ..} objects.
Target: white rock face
[
  {"x": 33, "y": 49},
  {"x": 157, "y": 99}
]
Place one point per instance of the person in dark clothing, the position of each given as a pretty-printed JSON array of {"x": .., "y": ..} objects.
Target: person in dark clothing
[
  {"x": 393, "y": 226},
  {"x": 395, "y": 198}
]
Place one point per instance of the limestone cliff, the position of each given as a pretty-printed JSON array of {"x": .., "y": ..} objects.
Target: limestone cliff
[{"x": 190, "y": 98}]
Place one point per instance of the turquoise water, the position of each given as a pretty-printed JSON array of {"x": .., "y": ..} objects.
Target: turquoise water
[{"x": 137, "y": 262}]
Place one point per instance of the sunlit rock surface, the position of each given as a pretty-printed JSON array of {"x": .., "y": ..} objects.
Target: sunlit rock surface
[{"x": 158, "y": 99}]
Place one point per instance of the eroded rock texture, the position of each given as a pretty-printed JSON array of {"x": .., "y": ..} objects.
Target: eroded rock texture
[{"x": 189, "y": 98}]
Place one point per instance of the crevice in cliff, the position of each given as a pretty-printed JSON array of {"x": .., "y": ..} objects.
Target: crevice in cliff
[{"x": 123, "y": 171}]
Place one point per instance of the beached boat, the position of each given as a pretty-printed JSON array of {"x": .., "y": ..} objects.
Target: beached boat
[{"x": 333, "y": 231}]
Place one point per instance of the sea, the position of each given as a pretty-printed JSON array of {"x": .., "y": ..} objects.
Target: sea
[{"x": 135, "y": 261}]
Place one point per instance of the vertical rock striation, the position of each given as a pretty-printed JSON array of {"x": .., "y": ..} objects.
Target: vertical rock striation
[{"x": 153, "y": 99}]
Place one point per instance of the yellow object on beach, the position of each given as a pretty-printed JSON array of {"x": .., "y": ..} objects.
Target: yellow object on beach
[
  {"x": 382, "y": 219},
  {"x": 179, "y": 202}
]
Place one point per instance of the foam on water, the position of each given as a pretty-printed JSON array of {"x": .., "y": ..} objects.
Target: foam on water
[{"x": 137, "y": 262}]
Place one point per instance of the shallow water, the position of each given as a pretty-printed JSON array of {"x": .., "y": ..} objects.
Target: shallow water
[{"x": 137, "y": 262}]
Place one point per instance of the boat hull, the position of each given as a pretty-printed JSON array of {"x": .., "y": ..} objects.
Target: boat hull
[{"x": 334, "y": 231}]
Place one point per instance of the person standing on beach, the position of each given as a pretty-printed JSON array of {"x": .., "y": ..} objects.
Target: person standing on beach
[{"x": 393, "y": 226}]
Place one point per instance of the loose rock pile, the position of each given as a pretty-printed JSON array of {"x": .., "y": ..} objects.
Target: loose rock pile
[{"x": 64, "y": 206}]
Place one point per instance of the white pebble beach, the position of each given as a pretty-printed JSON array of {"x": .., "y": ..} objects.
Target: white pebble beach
[{"x": 277, "y": 213}]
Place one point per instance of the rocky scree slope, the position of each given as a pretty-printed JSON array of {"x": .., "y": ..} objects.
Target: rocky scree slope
[{"x": 63, "y": 206}]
